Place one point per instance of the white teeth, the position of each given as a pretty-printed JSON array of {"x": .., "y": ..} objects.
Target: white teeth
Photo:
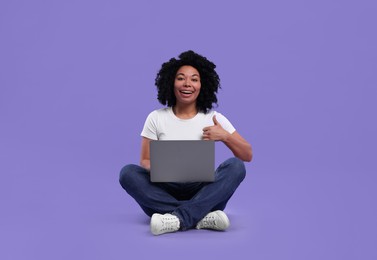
[{"x": 186, "y": 92}]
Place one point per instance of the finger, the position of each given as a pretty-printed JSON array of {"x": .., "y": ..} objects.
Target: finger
[
  {"x": 215, "y": 120},
  {"x": 206, "y": 135}
]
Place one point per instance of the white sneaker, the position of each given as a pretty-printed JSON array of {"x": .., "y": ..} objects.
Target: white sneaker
[
  {"x": 217, "y": 220},
  {"x": 161, "y": 224}
]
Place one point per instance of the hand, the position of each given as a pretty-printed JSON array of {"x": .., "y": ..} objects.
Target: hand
[{"x": 215, "y": 132}]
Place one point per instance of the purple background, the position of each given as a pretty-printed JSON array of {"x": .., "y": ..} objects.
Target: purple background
[{"x": 299, "y": 82}]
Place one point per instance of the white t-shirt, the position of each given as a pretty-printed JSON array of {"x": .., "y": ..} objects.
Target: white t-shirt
[{"x": 163, "y": 124}]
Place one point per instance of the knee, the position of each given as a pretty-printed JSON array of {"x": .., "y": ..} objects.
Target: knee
[
  {"x": 237, "y": 168},
  {"x": 126, "y": 174}
]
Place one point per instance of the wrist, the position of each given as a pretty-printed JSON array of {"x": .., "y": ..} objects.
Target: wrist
[{"x": 226, "y": 137}]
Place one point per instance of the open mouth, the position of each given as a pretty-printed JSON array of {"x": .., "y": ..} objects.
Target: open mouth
[{"x": 187, "y": 92}]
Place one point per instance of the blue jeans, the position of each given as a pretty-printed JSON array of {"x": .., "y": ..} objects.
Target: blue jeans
[{"x": 190, "y": 202}]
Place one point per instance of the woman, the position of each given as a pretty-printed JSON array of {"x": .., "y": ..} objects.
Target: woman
[{"x": 188, "y": 87}]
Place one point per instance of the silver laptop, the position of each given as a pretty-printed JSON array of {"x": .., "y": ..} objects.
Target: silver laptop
[{"x": 182, "y": 161}]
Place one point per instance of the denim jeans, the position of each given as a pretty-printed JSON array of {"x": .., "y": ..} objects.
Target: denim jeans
[{"x": 190, "y": 202}]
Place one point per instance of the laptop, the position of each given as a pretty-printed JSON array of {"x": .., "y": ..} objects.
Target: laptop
[{"x": 182, "y": 161}]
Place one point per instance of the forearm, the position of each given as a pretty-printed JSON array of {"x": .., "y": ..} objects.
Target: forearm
[
  {"x": 146, "y": 164},
  {"x": 239, "y": 147}
]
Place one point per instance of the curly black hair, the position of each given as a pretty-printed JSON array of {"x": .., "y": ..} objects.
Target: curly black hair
[{"x": 209, "y": 79}]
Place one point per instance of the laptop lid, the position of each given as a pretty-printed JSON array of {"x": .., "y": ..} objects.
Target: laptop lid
[{"x": 182, "y": 161}]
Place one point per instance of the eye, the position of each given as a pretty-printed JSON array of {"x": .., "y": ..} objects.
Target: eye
[
  {"x": 179, "y": 78},
  {"x": 195, "y": 80}
]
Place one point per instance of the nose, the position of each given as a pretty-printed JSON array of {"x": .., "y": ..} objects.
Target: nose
[{"x": 187, "y": 83}]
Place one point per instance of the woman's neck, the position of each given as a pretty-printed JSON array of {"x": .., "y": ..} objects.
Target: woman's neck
[{"x": 185, "y": 112}]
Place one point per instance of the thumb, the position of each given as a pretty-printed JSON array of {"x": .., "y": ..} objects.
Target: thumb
[{"x": 215, "y": 120}]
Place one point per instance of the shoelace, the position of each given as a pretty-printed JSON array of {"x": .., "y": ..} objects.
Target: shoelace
[
  {"x": 169, "y": 224},
  {"x": 209, "y": 222}
]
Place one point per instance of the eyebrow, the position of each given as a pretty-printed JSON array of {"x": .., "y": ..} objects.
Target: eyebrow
[{"x": 193, "y": 75}]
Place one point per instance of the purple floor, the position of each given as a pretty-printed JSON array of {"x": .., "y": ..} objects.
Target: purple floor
[{"x": 82, "y": 213}]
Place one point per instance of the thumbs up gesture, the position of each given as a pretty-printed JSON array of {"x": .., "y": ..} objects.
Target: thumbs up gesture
[
  {"x": 215, "y": 132},
  {"x": 215, "y": 122}
]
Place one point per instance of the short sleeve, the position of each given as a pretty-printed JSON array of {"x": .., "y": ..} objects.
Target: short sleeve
[
  {"x": 150, "y": 126},
  {"x": 225, "y": 123}
]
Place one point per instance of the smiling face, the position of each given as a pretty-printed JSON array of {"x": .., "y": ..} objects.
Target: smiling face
[{"x": 187, "y": 85}]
